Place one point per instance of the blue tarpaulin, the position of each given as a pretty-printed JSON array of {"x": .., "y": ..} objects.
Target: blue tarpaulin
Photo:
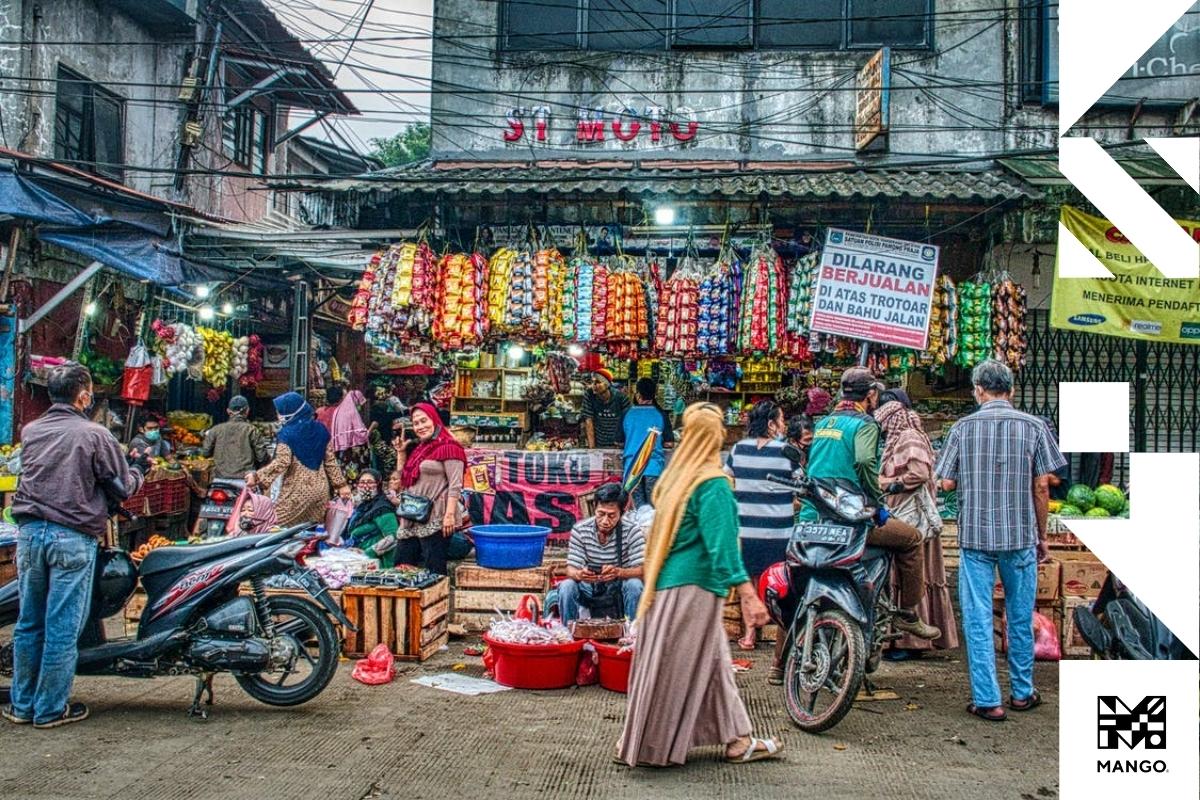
[
  {"x": 137, "y": 254},
  {"x": 22, "y": 198}
]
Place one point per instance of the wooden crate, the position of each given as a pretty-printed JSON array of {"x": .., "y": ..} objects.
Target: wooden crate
[
  {"x": 412, "y": 622},
  {"x": 479, "y": 592}
]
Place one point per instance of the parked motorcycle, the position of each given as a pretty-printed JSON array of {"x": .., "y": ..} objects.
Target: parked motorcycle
[
  {"x": 832, "y": 598},
  {"x": 1118, "y": 626},
  {"x": 217, "y": 507},
  {"x": 282, "y": 650}
]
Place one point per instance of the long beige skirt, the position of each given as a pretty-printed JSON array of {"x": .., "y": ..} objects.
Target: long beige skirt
[
  {"x": 935, "y": 607},
  {"x": 681, "y": 688}
]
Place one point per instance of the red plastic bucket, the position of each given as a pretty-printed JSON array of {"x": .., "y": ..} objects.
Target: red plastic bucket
[
  {"x": 614, "y": 667},
  {"x": 536, "y": 666}
]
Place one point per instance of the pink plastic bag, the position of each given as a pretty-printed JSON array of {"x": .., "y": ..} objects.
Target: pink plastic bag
[
  {"x": 377, "y": 668},
  {"x": 1046, "y": 645},
  {"x": 337, "y": 514}
]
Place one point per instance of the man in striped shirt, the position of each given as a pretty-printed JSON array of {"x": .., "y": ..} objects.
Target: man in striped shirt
[{"x": 604, "y": 561}]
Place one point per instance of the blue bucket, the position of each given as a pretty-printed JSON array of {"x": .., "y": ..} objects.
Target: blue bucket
[{"x": 509, "y": 546}]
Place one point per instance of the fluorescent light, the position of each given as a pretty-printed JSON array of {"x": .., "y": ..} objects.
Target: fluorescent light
[
  {"x": 515, "y": 353},
  {"x": 202, "y": 291},
  {"x": 90, "y": 309},
  {"x": 664, "y": 215},
  {"x": 575, "y": 351},
  {"x": 207, "y": 313}
]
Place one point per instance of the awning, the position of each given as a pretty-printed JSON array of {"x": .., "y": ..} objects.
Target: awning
[
  {"x": 1143, "y": 165},
  {"x": 22, "y": 198},
  {"x": 132, "y": 252}
]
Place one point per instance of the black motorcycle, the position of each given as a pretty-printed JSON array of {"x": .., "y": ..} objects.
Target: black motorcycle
[
  {"x": 835, "y": 604},
  {"x": 217, "y": 507},
  {"x": 281, "y": 650},
  {"x": 1118, "y": 626}
]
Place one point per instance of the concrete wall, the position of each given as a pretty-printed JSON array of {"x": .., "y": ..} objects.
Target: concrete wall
[
  {"x": 758, "y": 105},
  {"x": 145, "y": 75}
]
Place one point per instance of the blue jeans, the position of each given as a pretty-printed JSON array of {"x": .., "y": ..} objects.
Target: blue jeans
[
  {"x": 55, "y": 565},
  {"x": 644, "y": 491},
  {"x": 572, "y": 594},
  {"x": 976, "y": 580}
]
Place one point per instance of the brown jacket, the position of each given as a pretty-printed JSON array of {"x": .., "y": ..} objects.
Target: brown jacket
[{"x": 70, "y": 467}]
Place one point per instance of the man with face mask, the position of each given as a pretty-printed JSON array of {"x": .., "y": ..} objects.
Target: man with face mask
[
  {"x": 149, "y": 441},
  {"x": 73, "y": 472},
  {"x": 846, "y": 445}
]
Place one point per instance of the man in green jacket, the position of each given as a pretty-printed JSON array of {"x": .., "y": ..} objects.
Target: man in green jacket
[{"x": 846, "y": 445}]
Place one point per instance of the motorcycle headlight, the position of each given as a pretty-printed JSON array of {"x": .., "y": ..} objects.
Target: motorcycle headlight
[{"x": 850, "y": 506}]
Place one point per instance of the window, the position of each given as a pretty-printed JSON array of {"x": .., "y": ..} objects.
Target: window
[
  {"x": 627, "y": 24},
  {"x": 89, "y": 125},
  {"x": 1032, "y": 48},
  {"x": 713, "y": 23},
  {"x": 618, "y": 25},
  {"x": 247, "y": 135}
]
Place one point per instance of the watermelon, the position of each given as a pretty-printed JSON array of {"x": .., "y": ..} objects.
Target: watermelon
[
  {"x": 1124, "y": 512},
  {"x": 1069, "y": 510},
  {"x": 1081, "y": 496},
  {"x": 1110, "y": 498},
  {"x": 1096, "y": 512}
]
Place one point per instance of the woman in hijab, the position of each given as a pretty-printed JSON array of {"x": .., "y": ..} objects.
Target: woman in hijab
[
  {"x": 906, "y": 476},
  {"x": 432, "y": 467},
  {"x": 681, "y": 692},
  {"x": 305, "y": 461},
  {"x": 373, "y": 525}
]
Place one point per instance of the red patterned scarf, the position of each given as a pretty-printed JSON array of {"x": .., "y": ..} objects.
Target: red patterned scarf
[{"x": 442, "y": 446}]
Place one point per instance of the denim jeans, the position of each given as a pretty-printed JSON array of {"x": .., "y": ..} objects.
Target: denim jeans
[
  {"x": 644, "y": 491},
  {"x": 976, "y": 579},
  {"x": 55, "y": 566},
  {"x": 572, "y": 594}
]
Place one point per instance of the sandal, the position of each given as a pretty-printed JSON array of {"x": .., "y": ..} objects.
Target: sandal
[
  {"x": 1028, "y": 704},
  {"x": 747, "y": 645},
  {"x": 775, "y": 676},
  {"x": 991, "y": 713},
  {"x": 758, "y": 750}
]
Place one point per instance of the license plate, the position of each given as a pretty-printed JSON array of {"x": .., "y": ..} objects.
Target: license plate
[
  {"x": 825, "y": 533},
  {"x": 213, "y": 510}
]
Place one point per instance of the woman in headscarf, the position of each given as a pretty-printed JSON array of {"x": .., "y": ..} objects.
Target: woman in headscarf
[
  {"x": 351, "y": 438},
  {"x": 681, "y": 692},
  {"x": 305, "y": 461},
  {"x": 432, "y": 466},
  {"x": 373, "y": 525},
  {"x": 906, "y": 476}
]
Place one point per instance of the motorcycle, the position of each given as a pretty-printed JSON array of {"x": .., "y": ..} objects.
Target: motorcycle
[
  {"x": 832, "y": 599},
  {"x": 282, "y": 650},
  {"x": 217, "y": 507},
  {"x": 1118, "y": 626}
]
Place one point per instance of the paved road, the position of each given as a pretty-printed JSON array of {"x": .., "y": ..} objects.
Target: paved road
[{"x": 408, "y": 741}]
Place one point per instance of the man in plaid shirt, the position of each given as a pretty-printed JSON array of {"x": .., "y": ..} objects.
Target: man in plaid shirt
[{"x": 1000, "y": 460}]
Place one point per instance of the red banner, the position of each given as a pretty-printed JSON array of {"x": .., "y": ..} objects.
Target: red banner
[{"x": 531, "y": 488}]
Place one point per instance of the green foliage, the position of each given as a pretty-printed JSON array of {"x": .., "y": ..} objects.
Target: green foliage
[{"x": 411, "y": 144}]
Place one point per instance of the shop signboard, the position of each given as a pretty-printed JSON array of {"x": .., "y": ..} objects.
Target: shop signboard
[
  {"x": 1136, "y": 301},
  {"x": 531, "y": 488},
  {"x": 875, "y": 288},
  {"x": 873, "y": 102}
]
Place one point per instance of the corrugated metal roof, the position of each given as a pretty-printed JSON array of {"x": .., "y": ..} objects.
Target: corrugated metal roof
[
  {"x": 533, "y": 178},
  {"x": 1144, "y": 167}
]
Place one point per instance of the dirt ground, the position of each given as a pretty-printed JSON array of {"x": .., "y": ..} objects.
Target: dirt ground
[{"x": 408, "y": 741}]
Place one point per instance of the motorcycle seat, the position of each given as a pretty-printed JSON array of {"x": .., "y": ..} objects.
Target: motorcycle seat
[{"x": 166, "y": 559}]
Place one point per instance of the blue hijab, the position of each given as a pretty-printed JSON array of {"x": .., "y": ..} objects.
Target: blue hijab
[{"x": 304, "y": 436}]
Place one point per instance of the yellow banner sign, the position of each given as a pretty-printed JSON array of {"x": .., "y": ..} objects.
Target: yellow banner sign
[{"x": 1137, "y": 302}]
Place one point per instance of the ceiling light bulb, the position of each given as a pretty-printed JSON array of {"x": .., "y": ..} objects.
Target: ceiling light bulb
[
  {"x": 207, "y": 313},
  {"x": 90, "y": 309},
  {"x": 202, "y": 291},
  {"x": 664, "y": 215},
  {"x": 227, "y": 309},
  {"x": 515, "y": 353},
  {"x": 575, "y": 351}
]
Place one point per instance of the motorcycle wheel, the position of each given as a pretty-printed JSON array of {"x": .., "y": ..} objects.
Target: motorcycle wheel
[
  {"x": 818, "y": 701},
  {"x": 316, "y": 638}
]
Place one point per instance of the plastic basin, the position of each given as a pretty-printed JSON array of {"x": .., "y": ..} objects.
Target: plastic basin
[
  {"x": 536, "y": 666},
  {"x": 509, "y": 546},
  {"x": 613, "y": 667}
]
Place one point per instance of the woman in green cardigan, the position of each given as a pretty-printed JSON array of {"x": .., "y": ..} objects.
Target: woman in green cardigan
[
  {"x": 681, "y": 689},
  {"x": 373, "y": 525}
]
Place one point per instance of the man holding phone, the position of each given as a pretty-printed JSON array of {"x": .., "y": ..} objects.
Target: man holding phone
[{"x": 604, "y": 561}]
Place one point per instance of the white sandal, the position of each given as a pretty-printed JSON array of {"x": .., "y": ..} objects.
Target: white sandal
[{"x": 769, "y": 749}]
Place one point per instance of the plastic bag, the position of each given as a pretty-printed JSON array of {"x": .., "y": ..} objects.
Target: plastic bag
[
  {"x": 138, "y": 357},
  {"x": 1046, "y": 646},
  {"x": 589, "y": 669},
  {"x": 138, "y": 375},
  {"x": 529, "y": 608},
  {"x": 337, "y": 514},
  {"x": 158, "y": 372},
  {"x": 377, "y": 668}
]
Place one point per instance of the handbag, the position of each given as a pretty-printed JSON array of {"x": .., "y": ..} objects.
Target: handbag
[{"x": 414, "y": 507}]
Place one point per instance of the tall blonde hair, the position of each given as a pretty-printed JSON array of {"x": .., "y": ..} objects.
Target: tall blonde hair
[{"x": 696, "y": 459}]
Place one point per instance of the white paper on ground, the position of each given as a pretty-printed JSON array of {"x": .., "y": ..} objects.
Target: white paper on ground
[{"x": 461, "y": 684}]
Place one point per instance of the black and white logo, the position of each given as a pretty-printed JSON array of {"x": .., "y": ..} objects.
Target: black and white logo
[{"x": 1122, "y": 727}]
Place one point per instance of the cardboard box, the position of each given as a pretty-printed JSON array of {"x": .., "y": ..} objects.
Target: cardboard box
[
  {"x": 1082, "y": 575},
  {"x": 1073, "y": 644},
  {"x": 1049, "y": 582}
]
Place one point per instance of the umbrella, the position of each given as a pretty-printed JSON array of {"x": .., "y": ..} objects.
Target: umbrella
[{"x": 638, "y": 466}]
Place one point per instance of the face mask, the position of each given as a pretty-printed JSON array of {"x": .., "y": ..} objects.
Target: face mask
[
  {"x": 779, "y": 437},
  {"x": 153, "y": 436},
  {"x": 361, "y": 496}
]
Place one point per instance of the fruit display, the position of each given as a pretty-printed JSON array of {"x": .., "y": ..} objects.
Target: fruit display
[
  {"x": 105, "y": 371},
  {"x": 1110, "y": 498},
  {"x": 974, "y": 323},
  {"x": 181, "y": 347},
  {"x": 218, "y": 355},
  {"x": 1010, "y": 337},
  {"x": 153, "y": 543},
  {"x": 1081, "y": 496},
  {"x": 1105, "y": 500},
  {"x": 253, "y": 373},
  {"x": 1096, "y": 511}
]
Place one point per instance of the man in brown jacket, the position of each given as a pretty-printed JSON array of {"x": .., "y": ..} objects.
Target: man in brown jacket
[
  {"x": 235, "y": 446},
  {"x": 72, "y": 472}
]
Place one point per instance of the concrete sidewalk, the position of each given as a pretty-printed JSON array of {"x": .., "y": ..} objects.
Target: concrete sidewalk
[{"x": 408, "y": 741}]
